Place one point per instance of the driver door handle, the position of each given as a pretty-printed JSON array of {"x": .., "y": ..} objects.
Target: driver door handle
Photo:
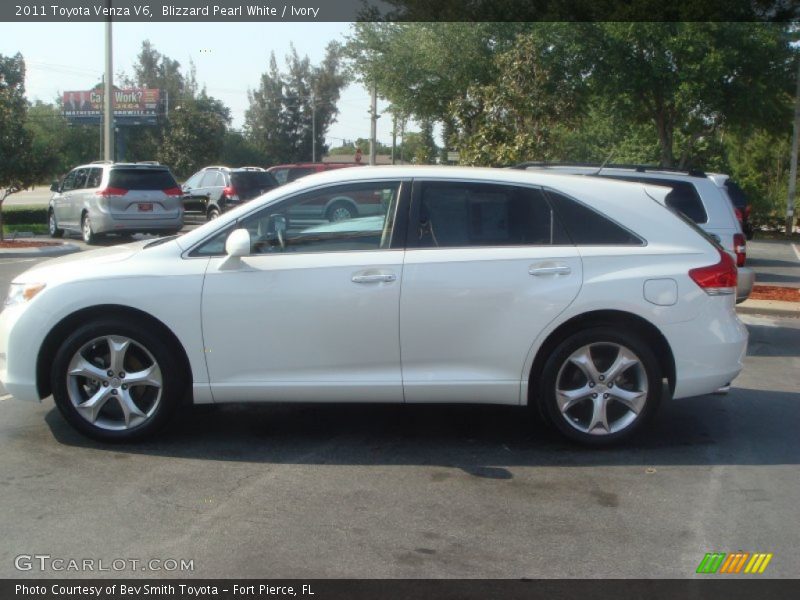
[
  {"x": 538, "y": 271},
  {"x": 374, "y": 278}
]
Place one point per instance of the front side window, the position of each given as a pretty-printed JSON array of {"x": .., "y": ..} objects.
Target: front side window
[
  {"x": 460, "y": 214},
  {"x": 69, "y": 181},
  {"x": 334, "y": 219}
]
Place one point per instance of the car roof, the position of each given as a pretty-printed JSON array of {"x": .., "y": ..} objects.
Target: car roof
[
  {"x": 632, "y": 171},
  {"x": 144, "y": 165}
]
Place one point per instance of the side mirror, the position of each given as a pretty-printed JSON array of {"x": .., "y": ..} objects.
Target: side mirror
[
  {"x": 54, "y": 186},
  {"x": 238, "y": 243},
  {"x": 278, "y": 223}
]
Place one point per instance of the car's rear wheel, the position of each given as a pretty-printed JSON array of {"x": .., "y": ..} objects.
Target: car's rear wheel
[
  {"x": 600, "y": 385},
  {"x": 87, "y": 232},
  {"x": 116, "y": 381},
  {"x": 213, "y": 213},
  {"x": 52, "y": 225}
]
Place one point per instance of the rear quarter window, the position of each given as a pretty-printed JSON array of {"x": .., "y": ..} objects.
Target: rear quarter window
[
  {"x": 683, "y": 197},
  {"x": 141, "y": 179},
  {"x": 587, "y": 227}
]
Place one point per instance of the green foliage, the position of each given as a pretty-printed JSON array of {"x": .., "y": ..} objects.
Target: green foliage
[
  {"x": 24, "y": 215},
  {"x": 17, "y": 170},
  {"x": 238, "y": 151},
  {"x": 195, "y": 135},
  {"x": 58, "y": 146},
  {"x": 291, "y": 109}
]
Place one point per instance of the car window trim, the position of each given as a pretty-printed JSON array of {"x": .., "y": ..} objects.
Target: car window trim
[{"x": 397, "y": 242}]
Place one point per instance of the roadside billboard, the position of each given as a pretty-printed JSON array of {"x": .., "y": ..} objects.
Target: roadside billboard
[{"x": 129, "y": 104}]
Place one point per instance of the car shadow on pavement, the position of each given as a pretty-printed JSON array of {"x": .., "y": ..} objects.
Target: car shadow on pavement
[
  {"x": 746, "y": 427},
  {"x": 773, "y": 341}
]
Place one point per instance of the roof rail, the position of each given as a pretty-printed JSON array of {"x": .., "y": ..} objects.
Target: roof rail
[
  {"x": 147, "y": 162},
  {"x": 216, "y": 167},
  {"x": 252, "y": 169},
  {"x": 635, "y": 167},
  {"x": 102, "y": 162}
]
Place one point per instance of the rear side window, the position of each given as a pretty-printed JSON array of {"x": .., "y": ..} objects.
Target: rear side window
[
  {"x": 587, "y": 227},
  {"x": 456, "y": 214},
  {"x": 141, "y": 179},
  {"x": 297, "y": 173},
  {"x": 252, "y": 183},
  {"x": 683, "y": 197}
]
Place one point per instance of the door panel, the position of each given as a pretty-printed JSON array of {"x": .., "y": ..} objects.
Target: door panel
[
  {"x": 491, "y": 274},
  {"x": 298, "y": 327}
]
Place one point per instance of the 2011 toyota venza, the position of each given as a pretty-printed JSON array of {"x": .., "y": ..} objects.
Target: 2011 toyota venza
[{"x": 587, "y": 299}]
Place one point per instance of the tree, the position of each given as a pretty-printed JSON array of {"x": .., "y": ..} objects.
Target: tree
[
  {"x": 195, "y": 135},
  {"x": 289, "y": 109},
  {"x": 687, "y": 80},
  {"x": 17, "y": 169},
  {"x": 57, "y": 145}
]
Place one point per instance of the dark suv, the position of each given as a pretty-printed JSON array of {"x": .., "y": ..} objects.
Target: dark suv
[{"x": 213, "y": 190}]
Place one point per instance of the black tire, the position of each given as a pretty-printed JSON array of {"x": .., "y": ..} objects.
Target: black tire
[
  {"x": 337, "y": 210},
  {"x": 141, "y": 333},
  {"x": 212, "y": 213},
  {"x": 53, "y": 228},
  {"x": 87, "y": 233},
  {"x": 604, "y": 339}
]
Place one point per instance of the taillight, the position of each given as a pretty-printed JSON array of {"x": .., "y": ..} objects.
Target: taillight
[
  {"x": 740, "y": 248},
  {"x": 173, "y": 191},
  {"x": 111, "y": 191},
  {"x": 230, "y": 193},
  {"x": 719, "y": 279}
]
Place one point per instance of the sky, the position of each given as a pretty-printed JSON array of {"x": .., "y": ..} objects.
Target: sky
[{"x": 229, "y": 58}]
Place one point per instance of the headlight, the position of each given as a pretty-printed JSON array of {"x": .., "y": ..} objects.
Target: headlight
[{"x": 22, "y": 292}]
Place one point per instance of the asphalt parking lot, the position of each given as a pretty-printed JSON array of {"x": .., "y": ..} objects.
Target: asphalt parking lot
[{"x": 415, "y": 491}]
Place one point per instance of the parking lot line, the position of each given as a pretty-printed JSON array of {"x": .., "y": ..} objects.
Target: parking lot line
[{"x": 796, "y": 251}]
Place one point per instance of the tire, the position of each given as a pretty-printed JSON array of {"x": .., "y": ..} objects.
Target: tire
[
  {"x": 212, "y": 213},
  {"x": 588, "y": 403},
  {"x": 341, "y": 210},
  {"x": 147, "y": 385},
  {"x": 87, "y": 233},
  {"x": 52, "y": 225}
]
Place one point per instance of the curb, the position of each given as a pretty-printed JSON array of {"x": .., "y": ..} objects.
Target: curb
[
  {"x": 43, "y": 252},
  {"x": 774, "y": 308}
]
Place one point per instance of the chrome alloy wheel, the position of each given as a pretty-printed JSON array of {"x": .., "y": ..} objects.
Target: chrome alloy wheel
[
  {"x": 601, "y": 388},
  {"x": 53, "y": 228},
  {"x": 114, "y": 383},
  {"x": 340, "y": 213}
]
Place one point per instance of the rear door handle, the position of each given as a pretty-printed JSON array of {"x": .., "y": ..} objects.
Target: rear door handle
[
  {"x": 375, "y": 278},
  {"x": 549, "y": 270}
]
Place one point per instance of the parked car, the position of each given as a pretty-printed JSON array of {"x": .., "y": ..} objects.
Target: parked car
[
  {"x": 213, "y": 190},
  {"x": 294, "y": 171},
  {"x": 739, "y": 200},
  {"x": 694, "y": 194},
  {"x": 106, "y": 197},
  {"x": 580, "y": 297}
]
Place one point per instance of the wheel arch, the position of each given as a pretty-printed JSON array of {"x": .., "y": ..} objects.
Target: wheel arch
[
  {"x": 613, "y": 318},
  {"x": 53, "y": 339}
]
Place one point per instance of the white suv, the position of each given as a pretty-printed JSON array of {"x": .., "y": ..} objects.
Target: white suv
[
  {"x": 697, "y": 195},
  {"x": 578, "y": 296},
  {"x": 107, "y": 197}
]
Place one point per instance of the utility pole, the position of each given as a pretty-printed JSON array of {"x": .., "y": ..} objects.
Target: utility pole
[
  {"x": 394, "y": 133},
  {"x": 793, "y": 168},
  {"x": 108, "y": 105},
  {"x": 313, "y": 128},
  {"x": 373, "y": 127}
]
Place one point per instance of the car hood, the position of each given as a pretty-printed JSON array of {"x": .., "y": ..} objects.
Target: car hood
[{"x": 72, "y": 266}]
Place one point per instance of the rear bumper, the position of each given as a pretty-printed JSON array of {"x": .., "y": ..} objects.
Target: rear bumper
[
  {"x": 709, "y": 350},
  {"x": 746, "y": 280},
  {"x": 106, "y": 223}
]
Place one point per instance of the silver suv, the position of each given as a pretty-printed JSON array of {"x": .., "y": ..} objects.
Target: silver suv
[
  {"x": 694, "y": 194},
  {"x": 106, "y": 197}
]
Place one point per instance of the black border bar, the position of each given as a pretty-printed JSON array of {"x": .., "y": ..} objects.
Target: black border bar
[{"x": 283, "y": 11}]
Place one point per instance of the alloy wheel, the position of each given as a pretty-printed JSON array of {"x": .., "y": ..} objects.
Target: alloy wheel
[
  {"x": 601, "y": 388},
  {"x": 114, "y": 383}
]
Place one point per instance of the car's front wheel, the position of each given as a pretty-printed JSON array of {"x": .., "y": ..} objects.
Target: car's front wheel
[
  {"x": 212, "y": 214},
  {"x": 116, "y": 380},
  {"x": 52, "y": 225},
  {"x": 600, "y": 385}
]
